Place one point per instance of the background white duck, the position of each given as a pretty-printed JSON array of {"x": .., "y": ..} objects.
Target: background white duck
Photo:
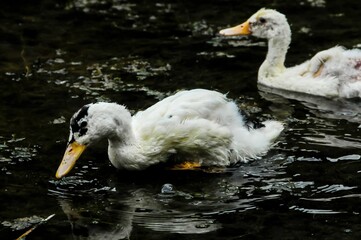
[
  {"x": 335, "y": 72},
  {"x": 201, "y": 125}
]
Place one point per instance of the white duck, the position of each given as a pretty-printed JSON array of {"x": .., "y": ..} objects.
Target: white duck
[
  {"x": 335, "y": 72},
  {"x": 201, "y": 125}
]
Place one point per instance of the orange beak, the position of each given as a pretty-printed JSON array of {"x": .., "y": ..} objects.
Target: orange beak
[
  {"x": 242, "y": 29},
  {"x": 72, "y": 153}
]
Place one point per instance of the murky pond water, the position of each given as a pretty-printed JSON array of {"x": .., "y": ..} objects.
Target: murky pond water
[{"x": 58, "y": 55}]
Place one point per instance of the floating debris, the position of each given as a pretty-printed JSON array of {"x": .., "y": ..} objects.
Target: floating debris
[
  {"x": 167, "y": 189},
  {"x": 34, "y": 227}
]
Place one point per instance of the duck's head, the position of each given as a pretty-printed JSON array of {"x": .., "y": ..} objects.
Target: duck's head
[
  {"x": 90, "y": 124},
  {"x": 266, "y": 23}
]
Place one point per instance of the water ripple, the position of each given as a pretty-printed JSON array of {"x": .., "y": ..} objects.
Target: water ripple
[{"x": 315, "y": 211}]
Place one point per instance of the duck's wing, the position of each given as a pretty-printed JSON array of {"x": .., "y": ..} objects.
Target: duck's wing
[
  {"x": 189, "y": 121},
  {"x": 337, "y": 62},
  {"x": 325, "y": 62},
  {"x": 192, "y": 104}
]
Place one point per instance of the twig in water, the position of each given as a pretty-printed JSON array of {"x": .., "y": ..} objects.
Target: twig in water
[{"x": 22, "y": 237}]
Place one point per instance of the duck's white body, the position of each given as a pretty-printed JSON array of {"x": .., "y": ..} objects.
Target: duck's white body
[
  {"x": 335, "y": 72},
  {"x": 202, "y": 126}
]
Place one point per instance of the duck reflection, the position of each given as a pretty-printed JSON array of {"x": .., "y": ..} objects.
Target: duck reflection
[
  {"x": 346, "y": 109},
  {"x": 116, "y": 219},
  {"x": 192, "y": 204},
  {"x": 113, "y": 211},
  {"x": 86, "y": 227}
]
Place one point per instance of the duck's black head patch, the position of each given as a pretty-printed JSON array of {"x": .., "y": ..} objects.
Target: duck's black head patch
[{"x": 78, "y": 123}]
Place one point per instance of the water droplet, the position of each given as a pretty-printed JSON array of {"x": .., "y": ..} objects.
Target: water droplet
[
  {"x": 167, "y": 189},
  {"x": 202, "y": 225}
]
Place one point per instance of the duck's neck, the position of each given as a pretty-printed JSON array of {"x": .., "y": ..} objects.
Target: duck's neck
[
  {"x": 125, "y": 152},
  {"x": 275, "y": 59},
  {"x": 115, "y": 124}
]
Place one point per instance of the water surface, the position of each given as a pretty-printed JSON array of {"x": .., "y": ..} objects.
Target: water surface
[{"x": 59, "y": 55}]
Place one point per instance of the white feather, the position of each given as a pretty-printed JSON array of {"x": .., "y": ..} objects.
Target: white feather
[
  {"x": 200, "y": 124},
  {"x": 335, "y": 72}
]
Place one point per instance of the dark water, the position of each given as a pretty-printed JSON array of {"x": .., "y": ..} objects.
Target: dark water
[{"x": 58, "y": 55}]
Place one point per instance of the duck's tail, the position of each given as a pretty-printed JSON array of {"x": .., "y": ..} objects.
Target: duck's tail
[
  {"x": 257, "y": 141},
  {"x": 271, "y": 130}
]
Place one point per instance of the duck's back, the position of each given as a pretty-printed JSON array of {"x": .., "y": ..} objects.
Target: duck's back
[
  {"x": 343, "y": 65},
  {"x": 192, "y": 104},
  {"x": 202, "y": 124},
  {"x": 196, "y": 121}
]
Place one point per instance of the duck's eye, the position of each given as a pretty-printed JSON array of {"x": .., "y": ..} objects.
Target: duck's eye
[
  {"x": 262, "y": 20},
  {"x": 83, "y": 124}
]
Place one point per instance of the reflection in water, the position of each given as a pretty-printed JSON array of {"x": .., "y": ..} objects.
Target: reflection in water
[
  {"x": 86, "y": 228},
  {"x": 321, "y": 107},
  {"x": 59, "y": 55},
  {"x": 309, "y": 125},
  {"x": 141, "y": 207},
  {"x": 198, "y": 202},
  {"x": 192, "y": 206}
]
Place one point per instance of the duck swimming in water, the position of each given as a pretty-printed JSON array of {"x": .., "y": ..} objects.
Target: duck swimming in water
[
  {"x": 202, "y": 125},
  {"x": 332, "y": 73}
]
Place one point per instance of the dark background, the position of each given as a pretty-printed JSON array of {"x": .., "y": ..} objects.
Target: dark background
[{"x": 58, "y": 55}]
